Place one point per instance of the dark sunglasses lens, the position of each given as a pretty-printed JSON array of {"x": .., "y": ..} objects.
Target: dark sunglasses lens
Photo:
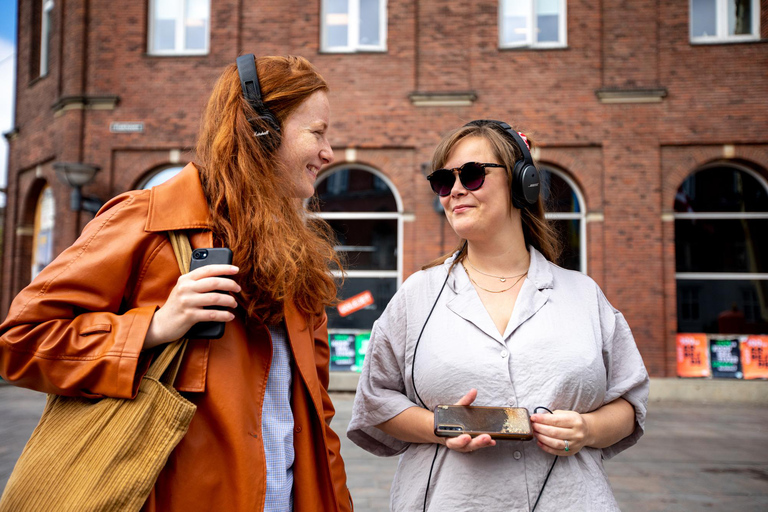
[
  {"x": 442, "y": 182},
  {"x": 472, "y": 176}
]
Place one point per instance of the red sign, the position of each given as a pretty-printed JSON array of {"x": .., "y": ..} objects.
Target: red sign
[
  {"x": 754, "y": 357},
  {"x": 355, "y": 303},
  {"x": 692, "y": 355}
]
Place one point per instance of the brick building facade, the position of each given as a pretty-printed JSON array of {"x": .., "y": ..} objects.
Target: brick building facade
[{"x": 626, "y": 107}]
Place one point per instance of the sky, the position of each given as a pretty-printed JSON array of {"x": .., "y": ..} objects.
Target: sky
[{"x": 7, "y": 81}]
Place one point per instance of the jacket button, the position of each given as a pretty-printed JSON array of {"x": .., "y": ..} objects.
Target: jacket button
[
  {"x": 254, "y": 434},
  {"x": 297, "y": 429},
  {"x": 517, "y": 455}
]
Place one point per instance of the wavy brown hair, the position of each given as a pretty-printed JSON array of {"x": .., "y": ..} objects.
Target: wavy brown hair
[
  {"x": 284, "y": 254},
  {"x": 537, "y": 231}
]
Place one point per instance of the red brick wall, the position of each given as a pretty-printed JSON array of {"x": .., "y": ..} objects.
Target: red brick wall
[{"x": 628, "y": 159}]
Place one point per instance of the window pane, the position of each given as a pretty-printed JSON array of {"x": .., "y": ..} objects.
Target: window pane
[
  {"x": 739, "y": 17},
  {"x": 369, "y": 22},
  {"x": 196, "y": 24},
  {"x": 712, "y": 245},
  {"x": 727, "y": 307},
  {"x": 166, "y": 14},
  {"x": 721, "y": 189},
  {"x": 360, "y": 191},
  {"x": 382, "y": 290},
  {"x": 336, "y": 23},
  {"x": 703, "y": 18},
  {"x": 557, "y": 194},
  {"x": 162, "y": 177},
  {"x": 569, "y": 232},
  {"x": 548, "y": 21},
  {"x": 515, "y": 23},
  {"x": 367, "y": 244}
]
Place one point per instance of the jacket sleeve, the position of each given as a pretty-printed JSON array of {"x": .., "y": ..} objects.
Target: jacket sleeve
[
  {"x": 69, "y": 332},
  {"x": 322, "y": 361}
]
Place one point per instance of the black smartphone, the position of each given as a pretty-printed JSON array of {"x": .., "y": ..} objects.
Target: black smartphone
[
  {"x": 201, "y": 258},
  {"x": 498, "y": 422}
]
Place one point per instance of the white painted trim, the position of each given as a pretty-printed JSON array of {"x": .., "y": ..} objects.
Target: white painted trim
[
  {"x": 722, "y": 215},
  {"x": 353, "y": 30},
  {"x": 721, "y": 276},
  {"x": 581, "y": 215},
  {"x": 562, "y": 41},
  {"x": 180, "y": 42},
  {"x": 721, "y": 25}
]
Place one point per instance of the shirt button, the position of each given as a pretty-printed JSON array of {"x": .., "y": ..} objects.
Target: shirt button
[
  {"x": 517, "y": 455},
  {"x": 297, "y": 429},
  {"x": 504, "y": 353}
]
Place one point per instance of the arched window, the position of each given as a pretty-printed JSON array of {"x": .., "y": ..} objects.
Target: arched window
[
  {"x": 160, "y": 176},
  {"x": 564, "y": 202},
  {"x": 45, "y": 219},
  {"x": 364, "y": 210},
  {"x": 721, "y": 252}
]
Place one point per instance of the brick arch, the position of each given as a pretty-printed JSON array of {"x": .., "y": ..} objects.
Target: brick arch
[
  {"x": 750, "y": 168},
  {"x": 25, "y": 234}
]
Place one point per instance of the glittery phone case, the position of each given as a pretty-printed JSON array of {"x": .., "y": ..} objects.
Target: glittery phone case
[{"x": 498, "y": 422}]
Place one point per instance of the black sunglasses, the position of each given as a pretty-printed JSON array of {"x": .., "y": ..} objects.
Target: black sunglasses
[{"x": 471, "y": 175}]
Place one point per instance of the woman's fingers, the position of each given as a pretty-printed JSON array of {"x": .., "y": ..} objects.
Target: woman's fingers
[
  {"x": 466, "y": 444},
  {"x": 561, "y": 433},
  {"x": 468, "y": 398}
]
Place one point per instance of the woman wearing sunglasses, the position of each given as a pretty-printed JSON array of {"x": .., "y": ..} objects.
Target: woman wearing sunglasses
[{"x": 498, "y": 323}]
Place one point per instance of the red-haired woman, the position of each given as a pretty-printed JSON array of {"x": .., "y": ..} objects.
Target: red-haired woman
[{"x": 88, "y": 324}]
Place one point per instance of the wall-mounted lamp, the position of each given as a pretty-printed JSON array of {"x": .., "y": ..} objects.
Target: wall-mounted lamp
[{"x": 77, "y": 175}]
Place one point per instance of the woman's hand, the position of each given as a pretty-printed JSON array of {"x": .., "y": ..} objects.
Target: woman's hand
[
  {"x": 186, "y": 304},
  {"x": 465, "y": 443},
  {"x": 560, "y": 430}
]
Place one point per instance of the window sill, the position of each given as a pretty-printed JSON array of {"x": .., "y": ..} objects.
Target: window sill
[
  {"x": 711, "y": 42},
  {"x": 175, "y": 55},
  {"x": 341, "y": 51},
  {"x": 532, "y": 48}
]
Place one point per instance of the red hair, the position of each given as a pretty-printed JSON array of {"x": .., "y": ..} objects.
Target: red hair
[{"x": 284, "y": 254}]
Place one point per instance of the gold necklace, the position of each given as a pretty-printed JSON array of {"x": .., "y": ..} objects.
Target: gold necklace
[
  {"x": 503, "y": 279},
  {"x": 492, "y": 291}
]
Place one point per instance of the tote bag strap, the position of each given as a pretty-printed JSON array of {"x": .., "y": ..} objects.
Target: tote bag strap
[{"x": 170, "y": 358}]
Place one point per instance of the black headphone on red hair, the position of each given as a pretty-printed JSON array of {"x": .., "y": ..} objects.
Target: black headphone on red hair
[
  {"x": 265, "y": 126},
  {"x": 525, "y": 177}
]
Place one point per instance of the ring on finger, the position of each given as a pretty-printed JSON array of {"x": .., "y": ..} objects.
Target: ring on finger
[{"x": 567, "y": 447}]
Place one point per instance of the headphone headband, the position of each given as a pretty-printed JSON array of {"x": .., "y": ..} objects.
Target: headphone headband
[
  {"x": 249, "y": 81},
  {"x": 527, "y": 158}
]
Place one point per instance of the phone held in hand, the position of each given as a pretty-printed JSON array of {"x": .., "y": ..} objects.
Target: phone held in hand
[
  {"x": 498, "y": 422},
  {"x": 201, "y": 258}
]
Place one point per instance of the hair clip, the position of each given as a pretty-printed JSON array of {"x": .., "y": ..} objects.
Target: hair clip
[{"x": 525, "y": 139}]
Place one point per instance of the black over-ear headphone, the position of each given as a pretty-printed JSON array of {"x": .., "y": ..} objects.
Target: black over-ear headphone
[
  {"x": 266, "y": 125},
  {"x": 525, "y": 176}
]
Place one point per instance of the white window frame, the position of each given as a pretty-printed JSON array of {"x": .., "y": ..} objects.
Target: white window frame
[
  {"x": 353, "y": 31},
  {"x": 725, "y": 276},
  {"x": 721, "y": 25},
  {"x": 398, "y": 215},
  {"x": 581, "y": 216},
  {"x": 45, "y": 35},
  {"x": 180, "y": 41},
  {"x": 530, "y": 42}
]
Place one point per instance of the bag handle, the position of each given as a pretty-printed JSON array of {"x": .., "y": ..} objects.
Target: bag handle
[{"x": 170, "y": 358}]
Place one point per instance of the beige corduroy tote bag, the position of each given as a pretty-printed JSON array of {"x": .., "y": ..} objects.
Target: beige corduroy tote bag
[{"x": 104, "y": 455}]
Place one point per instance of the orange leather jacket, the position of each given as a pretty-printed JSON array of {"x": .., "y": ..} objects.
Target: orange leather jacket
[{"x": 78, "y": 329}]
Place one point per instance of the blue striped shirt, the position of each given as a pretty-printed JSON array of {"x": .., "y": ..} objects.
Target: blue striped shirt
[{"x": 277, "y": 425}]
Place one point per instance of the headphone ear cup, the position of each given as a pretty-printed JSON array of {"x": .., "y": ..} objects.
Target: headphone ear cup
[{"x": 525, "y": 185}]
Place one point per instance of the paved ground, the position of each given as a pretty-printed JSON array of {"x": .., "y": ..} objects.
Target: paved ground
[{"x": 692, "y": 458}]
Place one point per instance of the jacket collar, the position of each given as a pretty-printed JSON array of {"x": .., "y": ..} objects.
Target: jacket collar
[{"x": 179, "y": 203}]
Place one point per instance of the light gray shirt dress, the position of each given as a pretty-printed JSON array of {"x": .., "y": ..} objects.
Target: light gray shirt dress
[{"x": 565, "y": 347}]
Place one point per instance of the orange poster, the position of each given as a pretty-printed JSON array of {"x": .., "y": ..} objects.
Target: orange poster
[
  {"x": 754, "y": 357},
  {"x": 692, "y": 355}
]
